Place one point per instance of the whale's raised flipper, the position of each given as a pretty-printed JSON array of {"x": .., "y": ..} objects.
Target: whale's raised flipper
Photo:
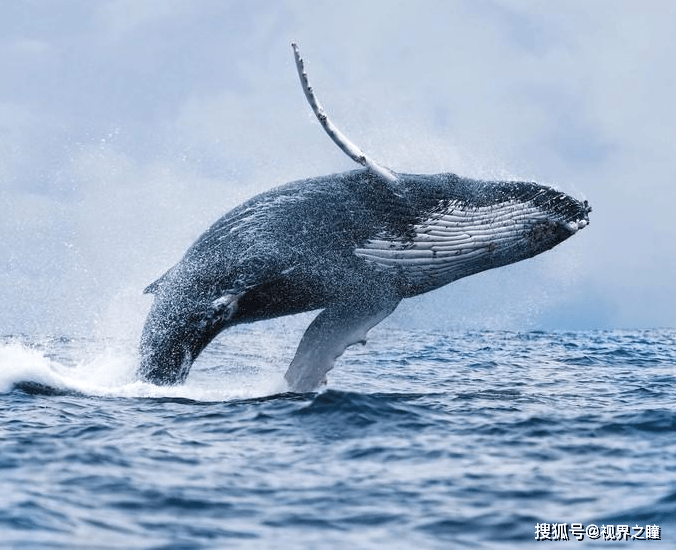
[
  {"x": 333, "y": 330},
  {"x": 349, "y": 148}
]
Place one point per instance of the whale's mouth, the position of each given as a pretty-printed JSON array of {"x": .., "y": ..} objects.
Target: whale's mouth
[
  {"x": 568, "y": 213},
  {"x": 561, "y": 217},
  {"x": 583, "y": 221}
]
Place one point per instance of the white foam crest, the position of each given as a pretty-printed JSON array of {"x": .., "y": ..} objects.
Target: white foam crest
[
  {"x": 20, "y": 363},
  {"x": 112, "y": 373}
]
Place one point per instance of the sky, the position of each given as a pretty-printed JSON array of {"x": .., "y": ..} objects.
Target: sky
[{"x": 127, "y": 127}]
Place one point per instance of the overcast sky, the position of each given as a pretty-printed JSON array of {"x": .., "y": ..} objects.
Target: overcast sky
[{"x": 127, "y": 127}]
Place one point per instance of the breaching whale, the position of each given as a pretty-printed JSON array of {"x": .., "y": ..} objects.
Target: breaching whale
[{"x": 352, "y": 245}]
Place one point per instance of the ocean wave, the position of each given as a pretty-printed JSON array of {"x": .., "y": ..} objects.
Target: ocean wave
[
  {"x": 470, "y": 443},
  {"x": 105, "y": 369}
]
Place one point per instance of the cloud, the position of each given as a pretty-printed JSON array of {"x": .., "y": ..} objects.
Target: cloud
[{"x": 127, "y": 128}]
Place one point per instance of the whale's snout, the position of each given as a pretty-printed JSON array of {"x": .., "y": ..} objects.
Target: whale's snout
[
  {"x": 559, "y": 216},
  {"x": 574, "y": 214},
  {"x": 563, "y": 208},
  {"x": 573, "y": 217}
]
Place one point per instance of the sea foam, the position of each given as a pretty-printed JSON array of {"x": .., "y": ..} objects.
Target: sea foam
[{"x": 111, "y": 372}]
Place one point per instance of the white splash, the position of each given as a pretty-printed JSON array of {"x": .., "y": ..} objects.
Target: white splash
[{"x": 112, "y": 373}]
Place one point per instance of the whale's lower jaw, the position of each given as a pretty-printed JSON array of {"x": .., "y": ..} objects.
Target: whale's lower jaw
[{"x": 459, "y": 240}]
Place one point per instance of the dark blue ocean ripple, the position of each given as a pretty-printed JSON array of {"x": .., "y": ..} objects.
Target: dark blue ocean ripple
[{"x": 460, "y": 440}]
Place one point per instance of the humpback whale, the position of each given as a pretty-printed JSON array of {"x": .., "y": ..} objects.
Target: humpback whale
[{"x": 352, "y": 245}]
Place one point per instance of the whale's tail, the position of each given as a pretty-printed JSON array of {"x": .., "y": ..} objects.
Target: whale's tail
[
  {"x": 179, "y": 326},
  {"x": 169, "y": 344}
]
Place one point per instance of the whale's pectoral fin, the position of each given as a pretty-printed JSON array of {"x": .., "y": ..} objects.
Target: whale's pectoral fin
[
  {"x": 349, "y": 148},
  {"x": 333, "y": 330}
]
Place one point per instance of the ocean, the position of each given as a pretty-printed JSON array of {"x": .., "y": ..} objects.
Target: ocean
[{"x": 467, "y": 439}]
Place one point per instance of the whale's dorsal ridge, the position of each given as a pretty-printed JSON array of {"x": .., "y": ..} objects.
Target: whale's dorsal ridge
[
  {"x": 154, "y": 287},
  {"x": 349, "y": 148}
]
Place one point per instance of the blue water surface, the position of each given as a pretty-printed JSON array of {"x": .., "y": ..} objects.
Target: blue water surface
[{"x": 420, "y": 440}]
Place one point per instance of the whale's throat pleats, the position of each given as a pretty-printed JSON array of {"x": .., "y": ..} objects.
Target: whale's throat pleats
[{"x": 457, "y": 241}]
